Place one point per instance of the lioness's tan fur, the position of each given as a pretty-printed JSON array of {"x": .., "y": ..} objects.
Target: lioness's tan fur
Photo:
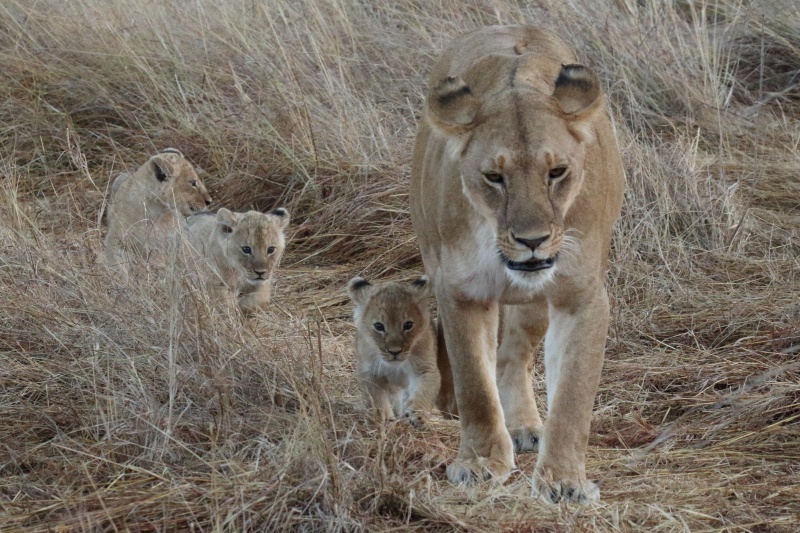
[
  {"x": 516, "y": 168},
  {"x": 146, "y": 207},
  {"x": 395, "y": 348},
  {"x": 242, "y": 250}
]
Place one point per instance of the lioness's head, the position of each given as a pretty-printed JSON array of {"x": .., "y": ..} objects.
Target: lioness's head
[
  {"x": 393, "y": 315},
  {"x": 174, "y": 181},
  {"x": 253, "y": 241},
  {"x": 520, "y": 153}
]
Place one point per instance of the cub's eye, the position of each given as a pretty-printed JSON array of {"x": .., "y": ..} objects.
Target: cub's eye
[
  {"x": 271, "y": 250},
  {"x": 557, "y": 172},
  {"x": 379, "y": 327},
  {"x": 193, "y": 183},
  {"x": 491, "y": 177},
  {"x": 408, "y": 326},
  {"x": 246, "y": 250}
]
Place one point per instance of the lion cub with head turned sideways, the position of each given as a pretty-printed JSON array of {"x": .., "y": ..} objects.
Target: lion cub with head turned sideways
[
  {"x": 146, "y": 207},
  {"x": 242, "y": 251},
  {"x": 395, "y": 348}
]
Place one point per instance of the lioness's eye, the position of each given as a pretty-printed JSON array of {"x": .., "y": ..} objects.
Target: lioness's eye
[
  {"x": 193, "y": 183},
  {"x": 557, "y": 172},
  {"x": 246, "y": 250},
  {"x": 271, "y": 250},
  {"x": 407, "y": 326},
  {"x": 491, "y": 177},
  {"x": 379, "y": 327}
]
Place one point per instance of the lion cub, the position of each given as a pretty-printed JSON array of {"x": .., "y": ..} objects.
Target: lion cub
[
  {"x": 146, "y": 207},
  {"x": 242, "y": 251},
  {"x": 395, "y": 348}
]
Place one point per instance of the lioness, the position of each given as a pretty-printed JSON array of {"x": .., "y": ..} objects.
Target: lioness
[
  {"x": 516, "y": 184},
  {"x": 395, "y": 348},
  {"x": 243, "y": 250},
  {"x": 147, "y": 206}
]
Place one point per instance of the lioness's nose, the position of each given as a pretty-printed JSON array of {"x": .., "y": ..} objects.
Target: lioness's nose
[
  {"x": 208, "y": 202},
  {"x": 531, "y": 243}
]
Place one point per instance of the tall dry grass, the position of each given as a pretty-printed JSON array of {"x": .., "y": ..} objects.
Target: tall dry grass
[{"x": 142, "y": 408}]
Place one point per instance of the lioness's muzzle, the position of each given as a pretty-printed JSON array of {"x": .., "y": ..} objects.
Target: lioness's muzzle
[{"x": 531, "y": 265}]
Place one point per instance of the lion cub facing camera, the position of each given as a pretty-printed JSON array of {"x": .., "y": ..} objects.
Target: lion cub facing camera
[
  {"x": 243, "y": 251},
  {"x": 395, "y": 348}
]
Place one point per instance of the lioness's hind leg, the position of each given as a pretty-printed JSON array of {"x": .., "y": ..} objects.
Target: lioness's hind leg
[
  {"x": 446, "y": 400},
  {"x": 524, "y": 327}
]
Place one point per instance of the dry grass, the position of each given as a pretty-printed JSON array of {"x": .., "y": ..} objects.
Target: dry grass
[{"x": 140, "y": 408}]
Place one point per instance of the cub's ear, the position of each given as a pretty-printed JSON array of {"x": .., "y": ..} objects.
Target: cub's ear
[
  {"x": 451, "y": 105},
  {"x": 171, "y": 151},
  {"x": 358, "y": 289},
  {"x": 282, "y": 215},
  {"x": 577, "y": 92},
  {"x": 423, "y": 287},
  {"x": 226, "y": 220},
  {"x": 160, "y": 168}
]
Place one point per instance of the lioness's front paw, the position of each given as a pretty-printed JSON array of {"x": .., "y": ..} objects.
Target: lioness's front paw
[
  {"x": 467, "y": 472},
  {"x": 418, "y": 419},
  {"x": 550, "y": 490},
  {"x": 525, "y": 439}
]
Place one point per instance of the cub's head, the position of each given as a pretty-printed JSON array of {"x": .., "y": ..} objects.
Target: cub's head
[
  {"x": 174, "y": 181},
  {"x": 253, "y": 241},
  {"x": 392, "y": 315},
  {"x": 520, "y": 154}
]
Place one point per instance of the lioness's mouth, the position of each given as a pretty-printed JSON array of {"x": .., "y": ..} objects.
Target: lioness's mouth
[{"x": 531, "y": 265}]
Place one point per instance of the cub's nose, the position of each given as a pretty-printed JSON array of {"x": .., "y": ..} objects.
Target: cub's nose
[
  {"x": 260, "y": 273},
  {"x": 395, "y": 352},
  {"x": 531, "y": 243},
  {"x": 208, "y": 203}
]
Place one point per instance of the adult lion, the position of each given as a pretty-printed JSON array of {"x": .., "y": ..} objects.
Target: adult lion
[{"x": 516, "y": 184}]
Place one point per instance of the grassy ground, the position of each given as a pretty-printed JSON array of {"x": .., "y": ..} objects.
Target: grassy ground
[{"x": 142, "y": 408}]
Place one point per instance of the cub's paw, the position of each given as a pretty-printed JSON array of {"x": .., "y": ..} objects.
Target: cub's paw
[
  {"x": 525, "y": 439},
  {"x": 418, "y": 419},
  {"x": 469, "y": 471},
  {"x": 563, "y": 490}
]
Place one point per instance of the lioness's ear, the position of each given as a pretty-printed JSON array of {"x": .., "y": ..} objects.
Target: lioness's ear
[
  {"x": 451, "y": 105},
  {"x": 577, "y": 91},
  {"x": 358, "y": 289},
  {"x": 282, "y": 215},
  {"x": 226, "y": 220},
  {"x": 422, "y": 286}
]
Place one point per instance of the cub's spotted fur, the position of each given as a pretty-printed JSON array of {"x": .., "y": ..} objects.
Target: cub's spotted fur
[
  {"x": 146, "y": 207},
  {"x": 242, "y": 251},
  {"x": 395, "y": 348}
]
